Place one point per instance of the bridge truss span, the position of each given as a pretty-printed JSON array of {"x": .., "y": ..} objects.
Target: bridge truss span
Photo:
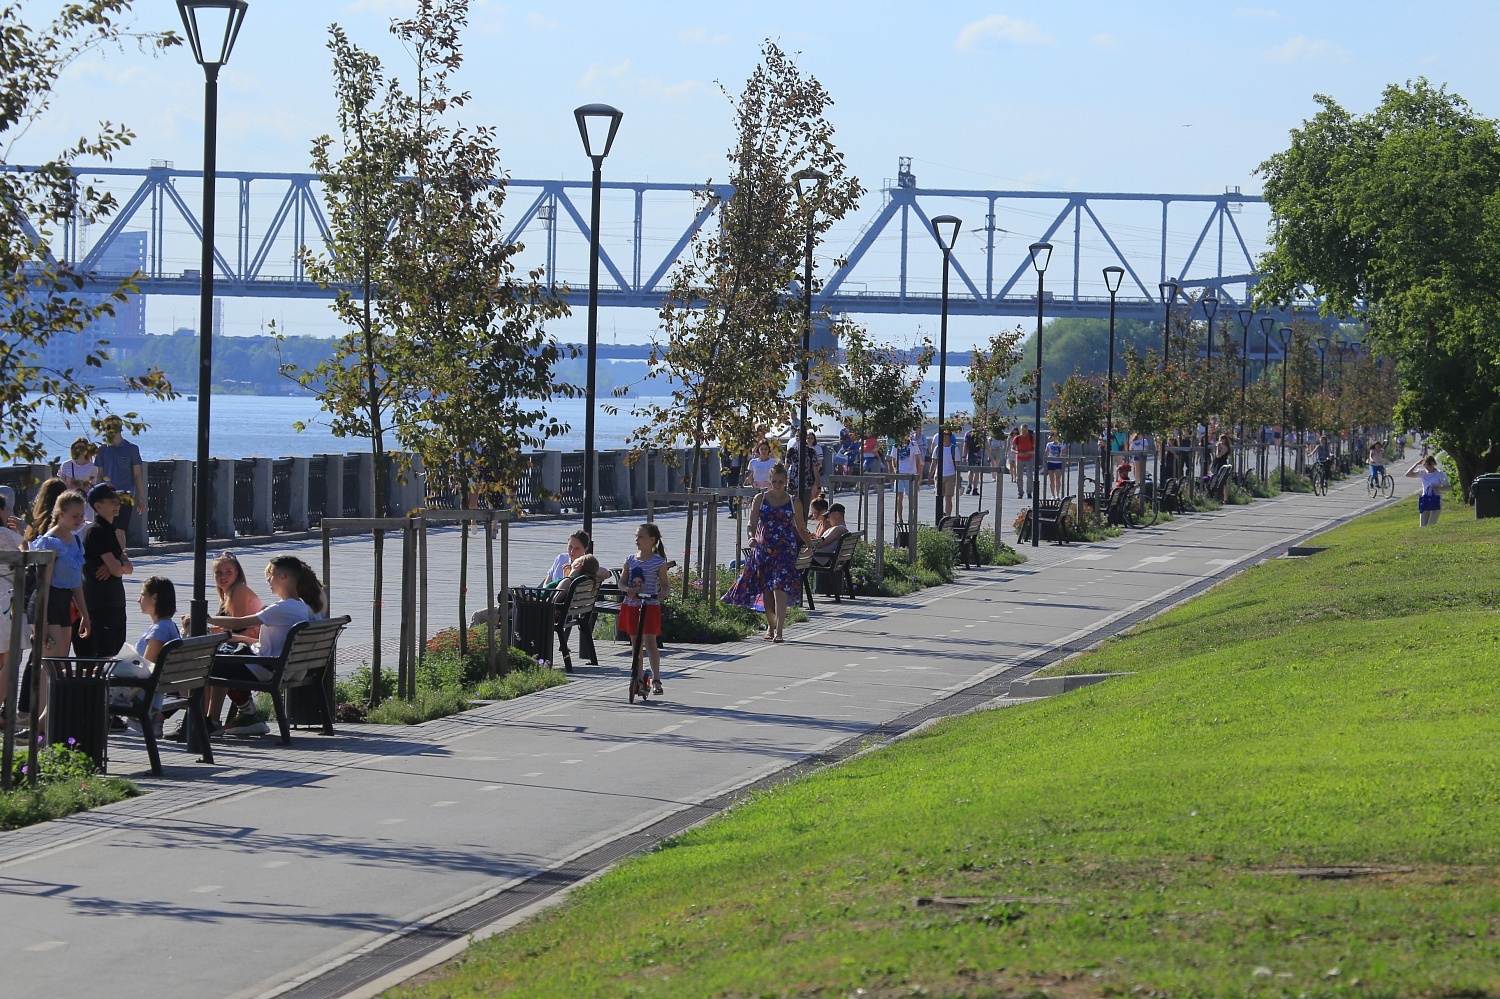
[{"x": 891, "y": 265}]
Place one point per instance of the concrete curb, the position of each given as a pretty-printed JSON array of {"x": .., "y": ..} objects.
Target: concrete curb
[{"x": 1051, "y": 686}]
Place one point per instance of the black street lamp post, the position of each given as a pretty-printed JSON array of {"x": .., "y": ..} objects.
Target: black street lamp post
[
  {"x": 1245, "y": 315},
  {"x": 1267, "y": 324},
  {"x": 1169, "y": 291},
  {"x": 1041, "y": 255},
  {"x": 1286, "y": 343},
  {"x": 1210, "y": 304},
  {"x": 1112, "y": 278},
  {"x": 597, "y": 124},
  {"x": 211, "y": 27},
  {"x": 945, "y": 229},
  {"x": 808, "y": 183}
]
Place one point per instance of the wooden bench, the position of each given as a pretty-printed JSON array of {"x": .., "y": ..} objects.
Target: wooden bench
[
  {"x": 308, "y": 651},
  {"x": 1119, "y": 496},
  {"x": 837, "y": 561},
  {"x": 180, "y": 671},
  {"x": 1171, "y": 495},
  {"x": 804, "y": 571}
]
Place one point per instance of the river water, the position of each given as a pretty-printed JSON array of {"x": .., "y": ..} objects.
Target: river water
[{"x": 262, "y": 426}]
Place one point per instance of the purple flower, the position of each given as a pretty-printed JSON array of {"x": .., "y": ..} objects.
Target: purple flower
[{"x": 71, "y": 741}]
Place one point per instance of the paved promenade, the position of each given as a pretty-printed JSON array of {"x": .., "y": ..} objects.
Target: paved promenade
[{"x": 317, "y": 870}]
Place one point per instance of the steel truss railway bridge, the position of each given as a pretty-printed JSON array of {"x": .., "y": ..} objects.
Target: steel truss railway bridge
[{"x": 891, "y": 266}]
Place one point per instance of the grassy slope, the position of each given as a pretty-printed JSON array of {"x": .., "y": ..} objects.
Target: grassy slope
[{"x": 1328, "y": 710}]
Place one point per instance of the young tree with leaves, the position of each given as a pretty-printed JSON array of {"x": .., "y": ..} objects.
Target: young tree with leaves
[
  {"x": 995, "y": 381},
  {"x": 877, "y": 387},
  {"x": 732, "y": 327},
  {"x": 45, "y": 298}
]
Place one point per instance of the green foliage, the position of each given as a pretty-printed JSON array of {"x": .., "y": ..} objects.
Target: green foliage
[
  {"x": 877, "y": 387},
  {"x": 66, "y": 784},
  {"x": 1398, "y": 212},
  {"x": 732, "y": 335},
  {"x": 937, "y": 553},
  {"x": 430, "y": 703},
  {"x": 1310, "y": 712},
  {"x": 42, "y": 297},
  {"x": 1076, "y": 413},
  {"x": 994, "y": 384},
  {"x": 518, "y": 683}
]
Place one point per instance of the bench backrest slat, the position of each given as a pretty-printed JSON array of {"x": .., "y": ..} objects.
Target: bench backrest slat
[{"x": 183, "y": 663}]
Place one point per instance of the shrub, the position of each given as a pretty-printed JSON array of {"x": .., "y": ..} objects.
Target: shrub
[
  {"x": 518, "y": 683},
  {"x": 937, "y": 553},
  {"x": 66, "y": 784},
  {"x": 429, "y": 703}
]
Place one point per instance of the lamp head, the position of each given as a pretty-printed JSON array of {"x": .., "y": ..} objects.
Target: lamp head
[
  {"x": 1210, "y": 304},
  {"x": 597, "y": 124},
  {"x": 808, "y": 182},
  {"x": 1112, "y": 278},
  {"x": 1245, "y": 315},
  {"x": 1169, "y": 291},
  {"x": 945, "y": 228},
  {"x": 1266, "y": 322},
  {"x": 1286, "y": 337},
  {"x": 1322, "y": 343},
  {"x": 211, "y": 27},
  {"x": 1041, "y": 256}
]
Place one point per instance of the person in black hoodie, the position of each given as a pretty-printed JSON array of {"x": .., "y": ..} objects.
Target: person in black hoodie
[{"x": 105, "y": 565}]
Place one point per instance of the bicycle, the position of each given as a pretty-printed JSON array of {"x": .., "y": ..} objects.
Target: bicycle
[
  {"x": 1318, "y": 473},
  {"x": 1139, "y": 510},
  {"x": 1385, "y": 486}
]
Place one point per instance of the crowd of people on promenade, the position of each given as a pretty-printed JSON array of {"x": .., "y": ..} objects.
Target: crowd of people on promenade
[{"x": 81, "y": 516}]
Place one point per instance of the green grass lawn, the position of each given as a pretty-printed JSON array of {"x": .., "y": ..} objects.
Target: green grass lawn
[{"x": 1122, "y": 840}]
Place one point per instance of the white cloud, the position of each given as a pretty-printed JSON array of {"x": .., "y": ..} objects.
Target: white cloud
[
  {"x": 599, "y": 71},
  {"x": 1104, "y": 43},
  {"x": 537, "y": 20},
  {"x": 653, "y": 87},
  {"x": 1003, "y": 28},
  {"x": 700, "y": 36},
  {"x": 1300, "y": 48},
  {"x": 1261, "y": 13}
]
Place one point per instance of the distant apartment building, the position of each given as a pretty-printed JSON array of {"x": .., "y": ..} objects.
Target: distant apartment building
[{"x": 125, "y": 256}]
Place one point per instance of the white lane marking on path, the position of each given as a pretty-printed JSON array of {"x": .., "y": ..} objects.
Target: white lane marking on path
[
  {"x": 443, "y": 804},
  {"x": 390, "y": 822},
  {"x": 272, "y": 865},
  {"x": 205, "y": 889},
  {"x": 664, "y": 731},
  {"x": 572, "y": 761},
  {"x": 534, "y": 773},
  {"x": 1092, "y": 556},
  {"x": 47, "y": 945},
  {"x": 815, "y": 679},
  {"x": 834, "y": 693},
  {"x": 493, "y": 787},
  {"x": 1153, "y": 559},
  {"x": 1221, "y": 561},
  {"x": 616, "y": 749}
]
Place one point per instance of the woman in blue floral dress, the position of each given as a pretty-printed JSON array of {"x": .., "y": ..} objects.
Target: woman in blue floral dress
[{"x": 778, "y": 528}]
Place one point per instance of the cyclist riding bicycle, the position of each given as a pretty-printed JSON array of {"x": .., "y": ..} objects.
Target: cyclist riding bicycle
[
  {"x": 1322, "y": 454},
  {"x": 1376, "y": 460}
]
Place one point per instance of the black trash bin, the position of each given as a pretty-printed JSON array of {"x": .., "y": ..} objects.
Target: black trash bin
[
  {"x": 78, "y": 706},
  {"x": 1486, "y": 489},
  {"x": 535, "y": 619}
]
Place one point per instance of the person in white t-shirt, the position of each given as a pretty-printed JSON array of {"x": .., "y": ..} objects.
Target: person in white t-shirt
[
  {"x": 1434, "y": 484},
  {"x": 758, "y": 474},
  {"x": 300, "y": 599},
  {"x": 562, "y": 566}
]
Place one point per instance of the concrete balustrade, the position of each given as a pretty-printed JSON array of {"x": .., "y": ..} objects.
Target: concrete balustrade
[{"x": 170, "y": 484}]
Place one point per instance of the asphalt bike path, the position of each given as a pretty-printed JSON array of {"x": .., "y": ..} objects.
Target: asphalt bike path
[{"x": 301, "y": 871}]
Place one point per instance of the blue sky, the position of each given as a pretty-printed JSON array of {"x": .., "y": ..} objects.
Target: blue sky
[{"x": 1071, "y": 95}]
